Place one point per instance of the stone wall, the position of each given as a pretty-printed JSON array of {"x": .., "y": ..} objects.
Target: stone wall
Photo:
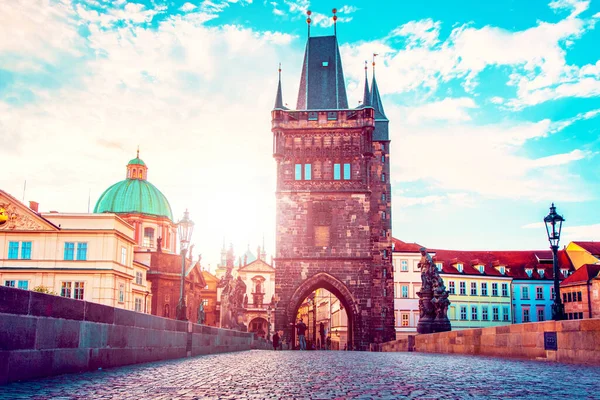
[
  {"x": 43, "y": 335},
  {"x": 578, "y": 341}
]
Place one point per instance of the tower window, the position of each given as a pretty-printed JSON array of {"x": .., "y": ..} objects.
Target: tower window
[
  {"x": 383, "y": 197},
  {"x": 382, "y": 147},
  {"x": 325, "y": 63},
  {"x": 383, "y": 177},
  {"x": 298, "y": 174},
  {"x": 347, "y": 171},
  {"x": 307, "y": 172},
  {"x": 140, "y": 175},
  {"x": 337, "y": 175},
  {"x": 383, "y": 158}
]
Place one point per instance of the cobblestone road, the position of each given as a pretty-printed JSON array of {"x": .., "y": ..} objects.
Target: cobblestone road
[{"x": 321, "y": 375}]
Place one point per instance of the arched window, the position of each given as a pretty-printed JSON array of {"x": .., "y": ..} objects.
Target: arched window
[
  {"x": 148, "y": 237},
  {"x": 141, "y": 174},
  {"x": 166, "y": 311},
  {"x": 258, "y": 287}
]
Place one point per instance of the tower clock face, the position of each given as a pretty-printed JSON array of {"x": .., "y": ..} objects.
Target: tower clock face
[{"x": 3, "y": 216}]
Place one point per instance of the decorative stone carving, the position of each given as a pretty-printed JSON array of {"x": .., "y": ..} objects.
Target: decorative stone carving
[
  {"x": 232, "y": 301},
  {"x": 11, "y": 218},
  {"x": 433, "y": 298}
]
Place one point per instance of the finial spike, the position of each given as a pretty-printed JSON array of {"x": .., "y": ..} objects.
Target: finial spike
[
  {"x": 138, "y": 151},
  {"x": 334, "y": 22},
  {"x": 308, "y": 21}
]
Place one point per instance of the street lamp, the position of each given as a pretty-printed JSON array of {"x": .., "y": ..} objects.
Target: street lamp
[
  {"x": 269, "y": 321},
  {"x": 553, "y": 223},
  {"x": 185, "y": 228}
]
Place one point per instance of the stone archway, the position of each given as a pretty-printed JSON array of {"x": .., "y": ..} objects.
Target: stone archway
[
  {"x": 339, "y": 290},
  {"x": 259, "y": 326}
]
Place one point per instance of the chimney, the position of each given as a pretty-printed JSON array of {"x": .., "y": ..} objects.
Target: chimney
[{"x": 34, "y": 205}]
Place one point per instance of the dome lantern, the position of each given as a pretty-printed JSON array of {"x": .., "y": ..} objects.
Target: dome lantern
[{"x": 136, "y": 168}]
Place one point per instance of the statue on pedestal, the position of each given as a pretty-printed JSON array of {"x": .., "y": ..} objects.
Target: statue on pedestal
[
  {"x": 201, "y": 313},
  {"x": 433, "y": 298},
  {"x": 232, "y": 301}
]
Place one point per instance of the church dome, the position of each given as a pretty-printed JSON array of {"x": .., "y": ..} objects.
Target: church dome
[{"x": 134, "y": 195}]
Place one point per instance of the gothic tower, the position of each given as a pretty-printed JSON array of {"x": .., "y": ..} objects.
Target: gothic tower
[{"x": 333, "y": 199}]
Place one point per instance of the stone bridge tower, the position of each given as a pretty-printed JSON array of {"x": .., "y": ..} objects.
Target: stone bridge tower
[{"x": 333, "y": 199}]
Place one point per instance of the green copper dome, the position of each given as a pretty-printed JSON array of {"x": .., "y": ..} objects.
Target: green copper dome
[
  {"x": 136, "y": 161},
  {"x": 134, "y": 196}
]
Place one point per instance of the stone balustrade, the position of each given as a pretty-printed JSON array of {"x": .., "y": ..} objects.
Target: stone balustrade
[{"x": 43, "y": 335}]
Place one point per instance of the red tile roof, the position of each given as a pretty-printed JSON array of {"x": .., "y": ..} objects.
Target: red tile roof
[
  {"x": 592, "y": 247},
  {"x": 404, "y": 247},
  {"x": 582, "y": 275},
  {"x": 516, "y": 262}
]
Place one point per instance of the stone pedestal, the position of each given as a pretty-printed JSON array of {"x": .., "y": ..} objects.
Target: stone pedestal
[{"x": 427, "y": 313}]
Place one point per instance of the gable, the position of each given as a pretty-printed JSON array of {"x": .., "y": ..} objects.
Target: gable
[
  {"x": 257, "y": 266},
  {"x": 15, "y": 216}
]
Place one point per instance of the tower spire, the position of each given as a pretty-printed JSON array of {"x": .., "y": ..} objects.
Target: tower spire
[
  {"x": 279, "y": 96},
  {"x": 366, "y": 102},
  {"x": 308, "y": 21},
  {"x": 381, "y": 121}
]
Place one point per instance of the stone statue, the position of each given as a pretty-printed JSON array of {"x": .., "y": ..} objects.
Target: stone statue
[
  {"x": 201, "y": 314},
  {"x": 433, "y": 298},
  {"x": 232, "y": 301},
  {"x": 159, "y": 244},
  {"x": 245, "y": 300}
]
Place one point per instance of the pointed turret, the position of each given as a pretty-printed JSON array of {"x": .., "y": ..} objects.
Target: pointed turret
[
  {"x": 279, "y": 96},
  {"x": 381, "y": 121},
  {"x": 366, "y": 101}
]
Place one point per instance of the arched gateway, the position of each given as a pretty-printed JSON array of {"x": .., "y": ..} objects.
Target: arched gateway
[
  {"x": 333, "y": 199},
  {"x": 337, "y": 288}
]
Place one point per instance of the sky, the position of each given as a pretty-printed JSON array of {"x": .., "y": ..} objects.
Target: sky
[{"x": 494, "y": 109}]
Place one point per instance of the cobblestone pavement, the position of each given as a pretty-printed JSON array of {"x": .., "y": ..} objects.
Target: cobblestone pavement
[{"x": 321, "y": 375}]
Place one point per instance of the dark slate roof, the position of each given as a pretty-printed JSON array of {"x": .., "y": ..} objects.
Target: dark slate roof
[
  {"x": 367, "y": 94},
  {"x": 322, "y": 85},
  {"x": 279, "y": 96},
  {"x": 381, "y": 121}
]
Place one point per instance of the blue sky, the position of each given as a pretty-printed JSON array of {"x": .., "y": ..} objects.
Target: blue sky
[{"x": 494, "y": 109}]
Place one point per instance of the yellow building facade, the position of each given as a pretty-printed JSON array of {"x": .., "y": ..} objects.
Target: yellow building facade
[{"x": 81, "y": 256}]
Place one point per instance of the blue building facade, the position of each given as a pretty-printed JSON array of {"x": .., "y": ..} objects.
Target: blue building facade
[{"x": 532, "y": 300}]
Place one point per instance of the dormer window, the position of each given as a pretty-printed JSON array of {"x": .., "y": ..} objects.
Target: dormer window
[
  {"x": 459, "y": 267},
  {"x": 541, "y": 272},
  {"x": 502, "y": 270},
  {"x": 565, "y": 272},
  {"x": 438, "y": 265},
  {"x": 481, "y": 268},
  {"x": 529, "y": 271}
]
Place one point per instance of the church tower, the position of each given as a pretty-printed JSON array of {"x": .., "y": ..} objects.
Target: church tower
[{"x": 333, "y": 198}]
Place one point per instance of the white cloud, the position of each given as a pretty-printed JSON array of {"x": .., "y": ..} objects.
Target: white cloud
[
  {"x": 560, "y": 159},
  {"x": 486, "y": 160},
  {"x": 200, "y": 117},
  {"x": 448, "y": 109},
  {"x": 424, "y": 33},
  {"x": 534, "y": 225},
  {"x": 581, "y": 232},
  {"x": 535, "y": 55},
  {"x": 34, "y": 31},
  {"x": 187, "y": 7},
  {"x": 575, "y": 6}
]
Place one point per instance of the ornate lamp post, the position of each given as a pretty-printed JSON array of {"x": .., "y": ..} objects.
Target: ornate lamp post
[
  {"x": 553, "y": 223},
  {"x": 269, "y": 321},
  {"x": 185, "y": 228}
]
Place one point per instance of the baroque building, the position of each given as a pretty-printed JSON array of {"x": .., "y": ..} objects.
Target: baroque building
[
  {"x": 144, "y": 207},
  {"x": 333, "y": 199},
  {"x": 81, "y": 256}
]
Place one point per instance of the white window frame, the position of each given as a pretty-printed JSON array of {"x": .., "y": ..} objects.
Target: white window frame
[{"x": 123, "y": 255}]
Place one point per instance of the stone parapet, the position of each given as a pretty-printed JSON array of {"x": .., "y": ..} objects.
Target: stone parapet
[
  {"x": 43, "y": 335},
  {"x": 577, "y": 341}
]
